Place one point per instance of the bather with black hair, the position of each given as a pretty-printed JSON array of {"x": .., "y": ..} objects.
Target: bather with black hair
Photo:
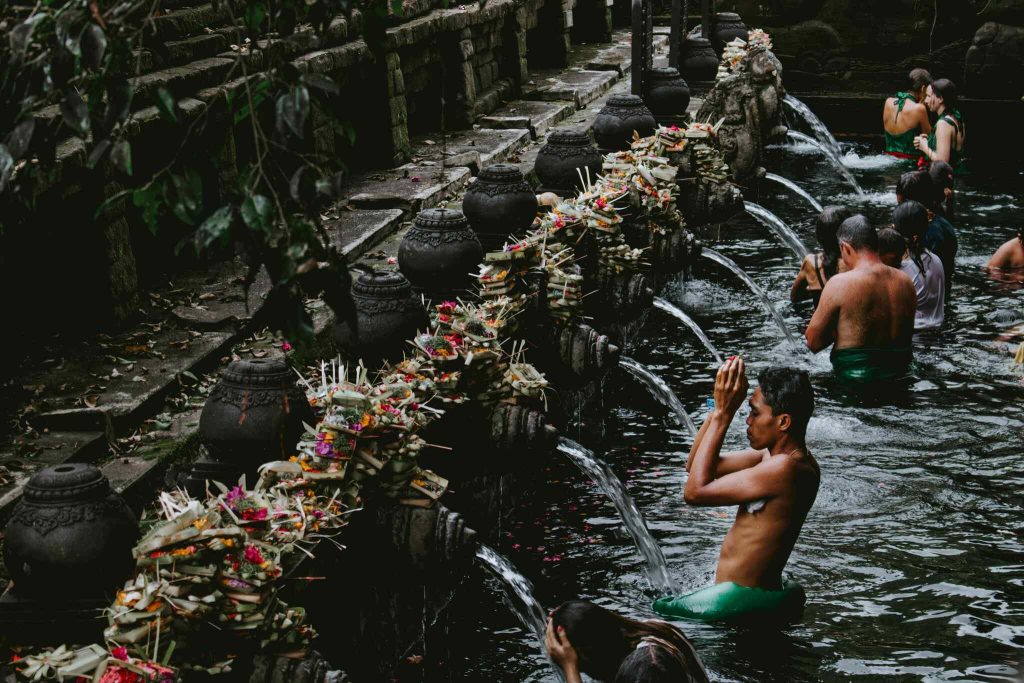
[
  {"x": 946, "y": 140},
  {"x": 773, "y": 485},
  {"x": 922, "y": 266},
  {"x": 582, "y": 637},
  {"x": 940, "y": 238},
  {"x": 818, "y": 268}
]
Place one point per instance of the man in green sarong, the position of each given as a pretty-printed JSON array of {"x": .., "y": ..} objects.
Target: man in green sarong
[
  {"x": 774, "y": 484},
  {"x": 865, "y": 313}
]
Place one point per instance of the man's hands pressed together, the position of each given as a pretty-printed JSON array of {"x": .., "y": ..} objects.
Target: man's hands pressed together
[{"x": 731, "y": 386}]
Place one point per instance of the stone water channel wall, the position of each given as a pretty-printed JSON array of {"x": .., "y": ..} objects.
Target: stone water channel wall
[
  {"x": 404, "y": 563},
  {"x": 478, "y": 54}
]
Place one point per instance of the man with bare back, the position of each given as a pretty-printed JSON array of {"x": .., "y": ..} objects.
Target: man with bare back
[
  {"x": 866, "y": 313},
  {"x": 774, "y": 484}
]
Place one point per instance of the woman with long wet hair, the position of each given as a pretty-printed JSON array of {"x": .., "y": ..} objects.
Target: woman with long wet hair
[
  {"x": 818, "y": 268},
  {"x": 585, "y": 638},
  {"x": 924, "y": 268},
  {"x": 946, "y": 141}
]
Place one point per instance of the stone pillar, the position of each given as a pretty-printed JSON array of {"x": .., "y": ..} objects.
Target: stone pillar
[
  {"x": 460, "y": 114},
  {"x": 394, "y": 94},
  {"x": 548, "y": 35}
]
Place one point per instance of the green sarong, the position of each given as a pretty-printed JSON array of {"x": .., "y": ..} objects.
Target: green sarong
[
  {"x": 868, "y": 364},
  {"x": 957, "y": 160},
  {"x": 730, "y": 601}
]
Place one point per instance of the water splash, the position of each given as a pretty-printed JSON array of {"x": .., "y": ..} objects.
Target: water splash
[
  {"x": 820, "y": 130},
  {"x": 518, "y": 594},
  {"x": 660, "y": 390},
  {"x": 758, "y": 292},
  {"x": 680, "y": 315},
  {"x": 779, "y": 227},
  {"x": 795, "y": 188},
  {"x": 871, "y": 162},
  {"x": 832, "y": 157},
  {"x": 612, "y": 486}
]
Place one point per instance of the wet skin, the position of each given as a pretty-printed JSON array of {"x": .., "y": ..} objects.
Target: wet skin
[
  {"x": 914, "y": 116},
  {"x": 777, "y": 469},
  {"x": 870, "y": 305}
]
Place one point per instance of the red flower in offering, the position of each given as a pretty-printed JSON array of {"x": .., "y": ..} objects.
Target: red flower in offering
[
  {"x": 120, "y": 652},
  {"x": 254, "y": 515},
  {"x": 253, "y": 555},
  {"x": 601, "y": 203}
]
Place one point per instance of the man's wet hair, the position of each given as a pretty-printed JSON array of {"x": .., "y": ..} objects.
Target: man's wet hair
[
  {"x": 919, "y": 78},
  {"x": 788, "y": 390},
  {"x": 891, "y": 242},
  {"x": 918, "y": 186},
  {"x": 858, "y": 233}
]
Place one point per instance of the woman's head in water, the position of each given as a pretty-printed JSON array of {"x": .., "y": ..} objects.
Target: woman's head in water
[
  {"x": 603, "y": 640},
  {"x": 825, "y": 229},
  {"x": 941, "y": 96},
  {"x": 891, "y": 247},
  {"x": 917, "y": 186},
  {"x": 919, "y": 81},
  {"x": 782, "y": 404}
]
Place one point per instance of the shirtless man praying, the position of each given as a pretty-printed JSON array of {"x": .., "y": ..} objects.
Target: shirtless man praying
[{"x": 774, "y": 484}]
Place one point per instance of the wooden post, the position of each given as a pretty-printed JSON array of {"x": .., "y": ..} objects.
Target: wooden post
[
  {"x": 674, "y": 36},
  {"x": 707, "y": 11}
]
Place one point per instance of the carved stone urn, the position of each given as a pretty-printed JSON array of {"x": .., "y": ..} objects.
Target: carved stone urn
[
  {"x": 440, "y": 252},
  {"x": 621, "y": 117},
  {"x": 70, "y": 536},
  {"x": 499, "y": 205},
  {"x": 253, "y": 415},
  {"x": 558, "y": 160},
  {"x": 667, "y": 93},
  {"x": 698, "y": 61},
  {"x": 387, "y": 314},
  {"x": 726, "y": 27},
  {"x": 585, "y": 351}
]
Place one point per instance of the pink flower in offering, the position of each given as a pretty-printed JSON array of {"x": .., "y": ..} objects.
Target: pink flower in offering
[
  {"x": 286, "y": 346},
  {"x": 253, "y": 555},
  {"x": 234, "y": 495}
]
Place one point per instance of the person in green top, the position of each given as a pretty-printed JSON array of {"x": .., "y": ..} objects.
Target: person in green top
[
  {"x": 905, "y": 116},
  {"x": 946, "y": 141}
]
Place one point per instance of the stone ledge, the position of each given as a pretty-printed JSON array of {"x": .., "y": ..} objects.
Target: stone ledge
[
  {"x": 578, "y": 85},
  {"x": 536, "y": 116},
  {"x": 356, "y": 232},
  {"x": 410, "y": 187}
]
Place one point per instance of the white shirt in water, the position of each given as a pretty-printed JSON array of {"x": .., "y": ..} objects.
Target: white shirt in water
[{"x": 930, "y": 288}]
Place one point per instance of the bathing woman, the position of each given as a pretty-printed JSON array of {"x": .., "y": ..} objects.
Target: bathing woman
[
  {"x": 866, "y": 313},
  {"x": 904, "y": 116},
  {"x": 818, "y": 268},
  {"x": 946, "y": 140},
  {"x": 773, "y": 485},
  {"x": 582, "y": 637}
]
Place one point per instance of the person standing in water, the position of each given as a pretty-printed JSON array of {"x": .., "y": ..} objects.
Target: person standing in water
[
  {"x": 941, "y": 237},
  {"x": 904, "y": 117},
  {"x": 582, "y": 637},
  {"x": 1009, "y": 258},
  {"x": 946, "y": 140},
  {"x": 818, "y": 268},
  {"x": 891, "y": 247},
  {"x": 923, "y": 267},
  {"x": 865, "y": 313},
  {"x": 774, "y": 484}
]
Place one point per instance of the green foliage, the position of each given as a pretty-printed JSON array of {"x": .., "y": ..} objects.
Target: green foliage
[{"x": 77, "y": 58}]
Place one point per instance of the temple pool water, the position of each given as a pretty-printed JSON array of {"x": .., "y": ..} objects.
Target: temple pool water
[{"x": 912, "y": 556}]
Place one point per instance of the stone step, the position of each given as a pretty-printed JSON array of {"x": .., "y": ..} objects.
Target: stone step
[
  {"x": 581, "y": 86},
  {"x": 474, "y": 149},
  {"x": 410, "y": 188},
  {"x": 535, "y": 116},
  {"x": 356, "y": 232}
]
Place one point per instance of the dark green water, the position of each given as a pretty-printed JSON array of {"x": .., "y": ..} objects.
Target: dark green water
[{"x": 912, "y": 557}]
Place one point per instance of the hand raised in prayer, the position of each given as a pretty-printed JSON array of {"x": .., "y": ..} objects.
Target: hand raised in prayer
[{"x": 731, "y": 385}]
